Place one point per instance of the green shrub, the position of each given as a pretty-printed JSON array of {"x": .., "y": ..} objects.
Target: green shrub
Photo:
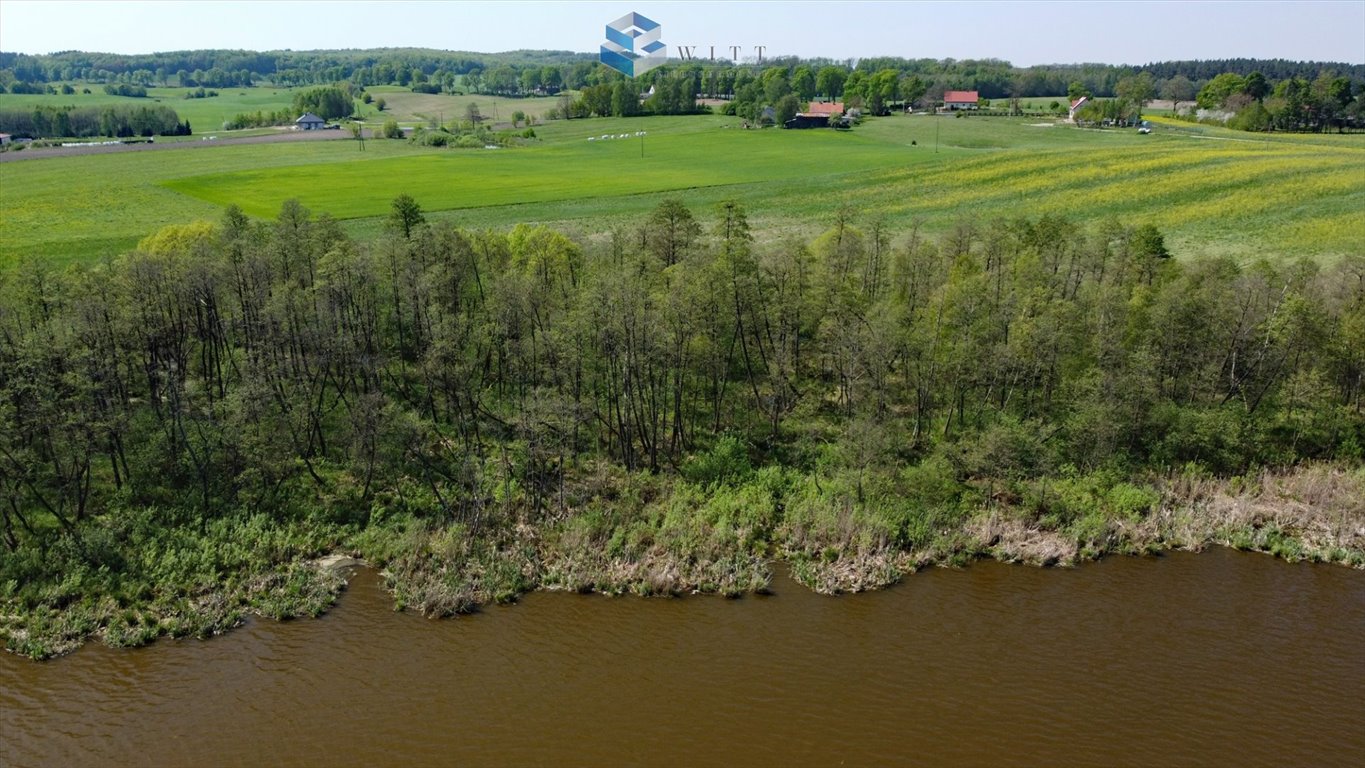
[{"x": 726, "y": 462}]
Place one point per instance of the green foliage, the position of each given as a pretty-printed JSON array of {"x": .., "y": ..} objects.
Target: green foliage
[
  {"x": 1217, "y": 91},
  {"x": 405, "y": 215},
  {"x": 123, "y": 89},
  {"x": 259, "y": 119},
  {"x": 726, "y": 463},
  {"x": 137, "y": 576},
  {"x": 328, "y": 103}
]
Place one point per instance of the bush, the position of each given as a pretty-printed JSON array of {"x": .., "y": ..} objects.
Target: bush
[
  {"x": 1254, "y": 117},
  {"x": 727, "y": 462},
  {"x": 258, "y": 119},
  {"x": 391, "y": 130},
  {"x": 427, "y": 138},
  {"x": 135, "y": 91}
]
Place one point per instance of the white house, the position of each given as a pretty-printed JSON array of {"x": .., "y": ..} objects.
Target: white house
[
  {"x": 1076, "y": 105},
  {"x": 960, "y": 99}
]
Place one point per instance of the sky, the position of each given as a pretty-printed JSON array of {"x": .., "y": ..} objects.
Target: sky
[{"x": 1019, "y": 31}]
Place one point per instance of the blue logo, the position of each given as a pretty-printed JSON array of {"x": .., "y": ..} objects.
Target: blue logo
[{"x": 632, "y": 46}]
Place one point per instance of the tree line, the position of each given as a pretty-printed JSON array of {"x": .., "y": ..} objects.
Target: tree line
[
  {"x": 119, "y": 121},
  {"x": 548, "y": 72},
  {"x": 1258, "y": 103},
  {"x": 258, "y": 365}
]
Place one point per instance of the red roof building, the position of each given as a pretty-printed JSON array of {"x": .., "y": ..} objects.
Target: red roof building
[
  {"x": 960, "y": 99},
  {"x": 832, "y": 108}
]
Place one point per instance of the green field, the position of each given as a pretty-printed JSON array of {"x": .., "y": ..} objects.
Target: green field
[
  {"x": 403, "y": 105},
  {"x": 1209, "y": 189}
]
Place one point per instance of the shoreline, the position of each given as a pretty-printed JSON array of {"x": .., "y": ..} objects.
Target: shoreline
[{"x": 439, "y": 572}]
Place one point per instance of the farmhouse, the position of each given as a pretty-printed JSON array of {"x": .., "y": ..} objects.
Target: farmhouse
[
  {"x": 827, "y": 108},
  {"x": 960, "y": 99},
  {"x": 818, "y": 115},
  {"x": 310, "y": 122},
  {"x": 1075, "y": 105},
  {"x": 807, "y": 120}
]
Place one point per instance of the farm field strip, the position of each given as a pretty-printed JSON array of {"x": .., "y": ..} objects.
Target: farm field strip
[
  {"x": 1177, "y": 189},
  {"x": 1274, "y": 197}
]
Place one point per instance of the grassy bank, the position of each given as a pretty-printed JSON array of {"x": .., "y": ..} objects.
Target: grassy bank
[{"x": 132, "y": 579}]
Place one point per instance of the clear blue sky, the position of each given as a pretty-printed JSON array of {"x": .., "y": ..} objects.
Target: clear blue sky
[{"x": 1025, "y": 33}]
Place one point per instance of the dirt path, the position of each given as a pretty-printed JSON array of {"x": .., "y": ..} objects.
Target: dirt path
[{"x": 222, "y": 139}]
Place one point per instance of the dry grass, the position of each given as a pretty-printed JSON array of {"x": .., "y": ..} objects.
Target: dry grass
[
  {"x": 1014, "y": 541},
  {"x": 1314, "y": 512},
  {"x": 856, "y": 572}
]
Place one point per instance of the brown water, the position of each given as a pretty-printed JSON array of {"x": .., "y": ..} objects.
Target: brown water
[{"x": 1219, "y": 658}]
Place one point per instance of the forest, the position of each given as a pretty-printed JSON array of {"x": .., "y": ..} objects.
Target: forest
[
  {"x": 516, "y": 72},
  {"x": 486, "y": 412}
]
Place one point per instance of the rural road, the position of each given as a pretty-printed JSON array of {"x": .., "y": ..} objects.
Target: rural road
[{"x": 223, "y": 139}]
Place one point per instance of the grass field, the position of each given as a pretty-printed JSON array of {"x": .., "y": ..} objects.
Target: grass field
[
  {"x": 1209, "y": 189},
  {"x": 406, "y": 107}
]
